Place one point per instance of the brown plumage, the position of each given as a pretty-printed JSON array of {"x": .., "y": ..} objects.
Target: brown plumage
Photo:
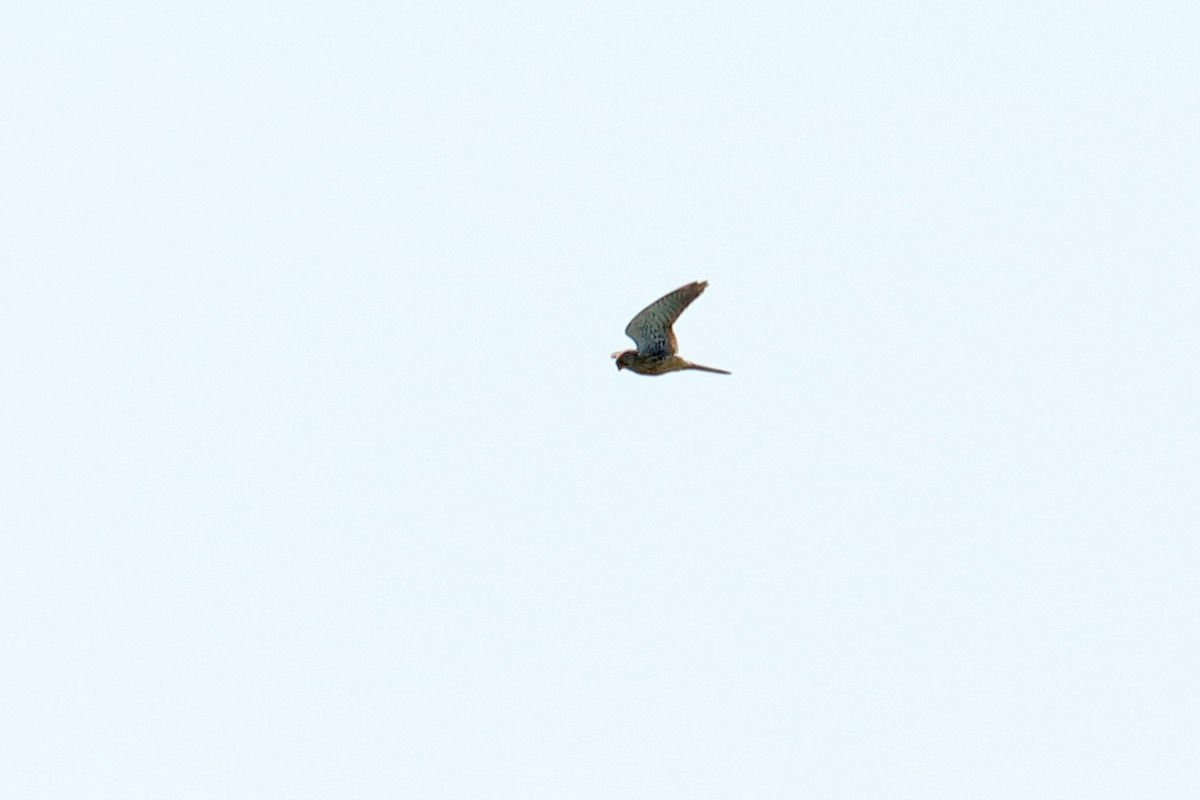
[{"x": 651, "y": 331}]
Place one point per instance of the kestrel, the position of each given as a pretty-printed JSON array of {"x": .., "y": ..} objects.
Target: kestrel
[{"x": 651, "y": 331}]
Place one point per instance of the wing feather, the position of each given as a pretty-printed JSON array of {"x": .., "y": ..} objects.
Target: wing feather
[{"x": 651, "y": 328}]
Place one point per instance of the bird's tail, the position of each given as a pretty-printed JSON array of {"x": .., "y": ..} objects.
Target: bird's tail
[{"x": 709, "y": 369}]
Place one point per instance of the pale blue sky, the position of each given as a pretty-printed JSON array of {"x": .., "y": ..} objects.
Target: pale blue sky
[{"x": 318, "y": 480}]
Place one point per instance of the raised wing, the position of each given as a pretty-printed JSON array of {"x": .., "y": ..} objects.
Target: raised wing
[{"x": 651, "y": 328}]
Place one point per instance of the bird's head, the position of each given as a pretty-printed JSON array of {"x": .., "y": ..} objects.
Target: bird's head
[{"x": 624, "y": 358}]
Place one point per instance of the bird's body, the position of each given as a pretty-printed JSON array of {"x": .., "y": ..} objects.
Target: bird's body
[{"x": 651, "y": 331}]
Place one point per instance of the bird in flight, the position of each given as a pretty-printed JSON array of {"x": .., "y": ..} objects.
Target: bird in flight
[{"x": 651, "y": 331}]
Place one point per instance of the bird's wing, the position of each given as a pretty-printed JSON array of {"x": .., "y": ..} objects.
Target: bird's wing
[{"x": 651, "y": 328}]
